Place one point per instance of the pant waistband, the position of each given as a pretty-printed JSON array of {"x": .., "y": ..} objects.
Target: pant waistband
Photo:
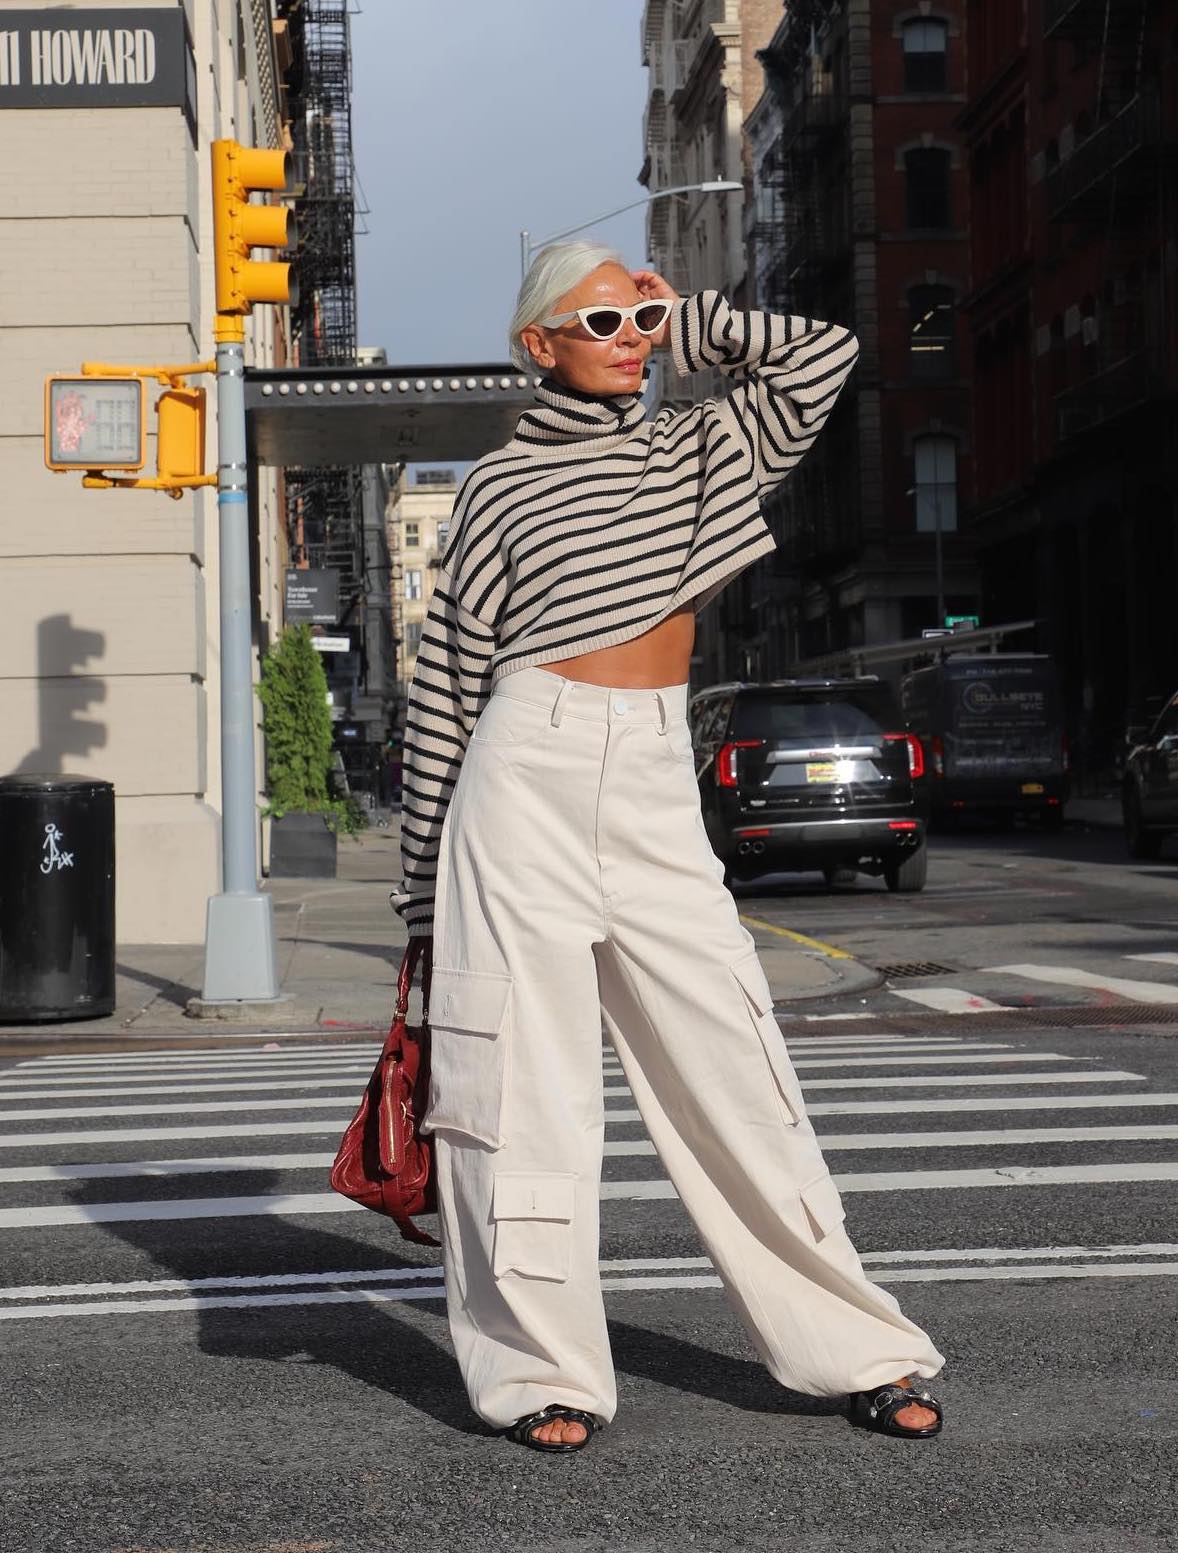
[{"x": 594, "y": 703}]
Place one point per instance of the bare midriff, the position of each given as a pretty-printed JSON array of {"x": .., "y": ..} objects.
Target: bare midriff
[{"x": 660, "y": 656}]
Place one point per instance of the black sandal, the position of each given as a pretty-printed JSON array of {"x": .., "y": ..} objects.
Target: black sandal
[
  {"x": 877, "y": 1410},
  {"x": 522, "y": 1430}
]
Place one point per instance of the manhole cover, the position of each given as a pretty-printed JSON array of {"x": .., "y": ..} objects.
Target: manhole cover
[{"x": 912, "y": 968}]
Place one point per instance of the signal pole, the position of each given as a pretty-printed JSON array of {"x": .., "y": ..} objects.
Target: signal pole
[{"x": 240, "y": 946}]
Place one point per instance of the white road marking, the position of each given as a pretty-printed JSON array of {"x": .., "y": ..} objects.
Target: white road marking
[
  {"x": 894, "y": 1049},
  {"x": 898, "y": 1142},
  {"x": 32, "y": 1140},
  {"x": 1163, "y": 957},
  {"x": 426, "y": 1283},
  {"x": 965, "y": 1103},
  {"x": 1015, "y": 1253},
  {"x": 819, "y": 1019},
  {"x": 84, "y": 1083},
  {"x": 307, "y": 1203},
  {"x": 950, "y": 1000},
  {"x": 944, "y": 1080},
  {"x": 355, "y": 1085},
  {"x": 1069, "y": 976},
  {"x": 934, "y": 1061},
  {"x": 350, "y": 1050},
  {"x": 191, "y": 1108}
]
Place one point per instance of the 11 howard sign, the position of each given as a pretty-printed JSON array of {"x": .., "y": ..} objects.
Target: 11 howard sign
[{"x": 95, "y": 59}]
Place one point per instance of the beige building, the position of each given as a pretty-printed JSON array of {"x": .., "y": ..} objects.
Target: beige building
[
  {"x": 421, "y": 504},
  {"x": 110, "y": 667}
]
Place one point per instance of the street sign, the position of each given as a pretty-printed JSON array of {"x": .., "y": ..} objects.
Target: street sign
[
  {"x": 312, "y": 597},
  {"x": 963, "y": 622},
  {"x": 331, "y": 643},
  {"x": 94, "y": 422}
]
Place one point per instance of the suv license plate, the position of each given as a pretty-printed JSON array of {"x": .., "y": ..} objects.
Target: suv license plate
[
  {"x": 820, "y": 771},
  {"x": 1032, "y": 787}
]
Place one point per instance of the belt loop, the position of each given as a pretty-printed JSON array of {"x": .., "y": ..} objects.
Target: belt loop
[
  {"x": 558, "y": 704},
  {"x": 664, "y": 715}
]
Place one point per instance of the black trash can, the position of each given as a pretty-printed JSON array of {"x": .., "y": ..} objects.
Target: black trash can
[{"x": 57, "y": 898}]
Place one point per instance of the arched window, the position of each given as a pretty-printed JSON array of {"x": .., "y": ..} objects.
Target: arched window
[
  {"x": 936, "y": 484},
  {"x": 931, "y": 353},
  {"x": 926, "y": 172},
  {"x": 926, "y": 55}
]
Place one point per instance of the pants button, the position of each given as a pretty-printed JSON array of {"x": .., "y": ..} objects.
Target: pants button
[{"x": 621, "y": 705}]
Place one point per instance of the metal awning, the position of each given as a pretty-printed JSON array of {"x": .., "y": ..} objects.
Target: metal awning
[{"x": 362, "y": 415}]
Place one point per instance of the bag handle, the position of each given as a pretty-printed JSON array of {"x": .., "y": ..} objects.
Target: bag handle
[{"x": 418, "y": 952}]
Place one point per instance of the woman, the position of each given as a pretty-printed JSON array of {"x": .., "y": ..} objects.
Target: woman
[{"x": 554, "y": 849}]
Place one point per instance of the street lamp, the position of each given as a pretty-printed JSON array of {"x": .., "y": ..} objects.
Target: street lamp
[{"x": 716, "y": 186}]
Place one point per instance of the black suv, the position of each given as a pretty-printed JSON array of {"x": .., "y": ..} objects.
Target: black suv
[
  {"x": 1149, "y": 791},
  {"x": 801, "y": 773}
]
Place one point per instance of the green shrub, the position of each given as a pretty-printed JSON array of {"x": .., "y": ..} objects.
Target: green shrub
[{"x": 297, "y": 723}]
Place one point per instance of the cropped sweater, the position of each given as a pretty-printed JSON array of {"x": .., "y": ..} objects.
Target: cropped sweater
[{"x": 594, "y": 523}]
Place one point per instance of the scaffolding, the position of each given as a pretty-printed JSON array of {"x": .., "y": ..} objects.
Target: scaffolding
[{"x": 324, "y": 504}]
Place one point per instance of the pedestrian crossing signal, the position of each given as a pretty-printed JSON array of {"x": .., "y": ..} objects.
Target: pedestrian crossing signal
[{"x": 94, "y": 422}]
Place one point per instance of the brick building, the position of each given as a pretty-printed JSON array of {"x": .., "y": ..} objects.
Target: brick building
[
  {"x": 1071, "y": 130},
  {"x": 859, "y": 214}
]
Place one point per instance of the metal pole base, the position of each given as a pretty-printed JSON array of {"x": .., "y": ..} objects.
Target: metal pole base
[{"x": 240, "y": 957}]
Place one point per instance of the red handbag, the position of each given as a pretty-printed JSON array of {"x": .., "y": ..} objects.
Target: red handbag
[{"x": 383, "y": 1162}]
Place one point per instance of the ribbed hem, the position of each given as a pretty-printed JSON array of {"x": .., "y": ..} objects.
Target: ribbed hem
[
  {"x": 702, "y": 589},
  {"x": 678, "y": 337}
]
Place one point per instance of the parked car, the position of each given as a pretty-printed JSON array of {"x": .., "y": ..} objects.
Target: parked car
[
  {"x": 1149, "y": 788},
  {"x": 810, "y": 774},
  {"x": 992, "y": 729}
]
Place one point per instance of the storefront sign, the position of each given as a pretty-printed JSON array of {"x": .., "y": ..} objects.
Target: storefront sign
[
  {"x": 312, "y": 597},
  {"x": 82, "y": 58}
]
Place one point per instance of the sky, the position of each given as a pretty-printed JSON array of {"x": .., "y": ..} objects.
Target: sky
[{"x": 472, "y": 119}]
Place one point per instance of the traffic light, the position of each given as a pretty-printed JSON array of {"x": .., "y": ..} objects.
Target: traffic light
[
  {"x": 239, "y": 227},
  {"x": 180, "y": 434}
]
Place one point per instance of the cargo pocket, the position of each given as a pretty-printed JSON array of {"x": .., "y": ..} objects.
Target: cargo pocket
[
  {"x": 533, "y": 1225},
  {"x": 755, "y": 987},
  {"x": 823, "y": 1205},
  {"x": 468, "y": 1054}
]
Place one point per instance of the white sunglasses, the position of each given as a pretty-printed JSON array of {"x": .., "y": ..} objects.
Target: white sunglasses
[{"x": 604, "y": 322}]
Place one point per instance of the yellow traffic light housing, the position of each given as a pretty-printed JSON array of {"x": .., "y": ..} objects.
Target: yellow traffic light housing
[
  {"x": 94, "y": 422},
  {"x": 180, "y": 434},
  {"x": 239, "y": 227}
]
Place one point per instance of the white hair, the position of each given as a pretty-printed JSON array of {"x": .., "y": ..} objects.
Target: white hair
[{"x": 554, "y": 272}]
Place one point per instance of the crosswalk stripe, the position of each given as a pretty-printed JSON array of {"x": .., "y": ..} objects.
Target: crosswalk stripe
[
  {"x": 1163, "y": 957},
  {"x": 85, "y": 1136},
  {"x": 311, "y": 1203},
  {"x": 939, "y": 1059},
  {"x": 1069, "y": 976},
  {"x": 350, "y": 1049},
  {"x": 354, "y": 1084},
  {"x": 897, "y": 1142},
  {"x": 83, "y": 1084},
  {"x": 950, "y": 1000},
  {"x": 192, "y": 1107}
]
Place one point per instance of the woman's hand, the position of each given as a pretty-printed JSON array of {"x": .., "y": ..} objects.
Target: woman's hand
[{"x": 652, "y": 286}]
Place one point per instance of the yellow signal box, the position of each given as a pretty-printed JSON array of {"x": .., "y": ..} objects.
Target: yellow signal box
[
  {"x": 94, "y": 422},
  {"x": 239, "y": 227},
  {"x": 180, "y": 433}
]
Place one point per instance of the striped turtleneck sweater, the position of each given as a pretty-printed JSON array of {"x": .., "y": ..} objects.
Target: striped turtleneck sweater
[{"x": 595, "y": 523}]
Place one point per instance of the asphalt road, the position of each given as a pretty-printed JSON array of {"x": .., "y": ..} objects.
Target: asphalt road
[{"x": 202, "y": 1350}]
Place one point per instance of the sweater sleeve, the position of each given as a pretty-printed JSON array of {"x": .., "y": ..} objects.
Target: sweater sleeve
[
  {"x": 450, "y": 686},
  {"x": 791, "y": 371}
]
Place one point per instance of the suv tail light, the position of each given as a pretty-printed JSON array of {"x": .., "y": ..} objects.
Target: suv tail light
[
  {"x": 915, "y": 752},
  {"x": 726, "y": 759},
  {"x": 938, "y": 749}
]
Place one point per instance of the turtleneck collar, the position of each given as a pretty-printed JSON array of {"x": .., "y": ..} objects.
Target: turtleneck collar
[{"x": 565, "y": 417}]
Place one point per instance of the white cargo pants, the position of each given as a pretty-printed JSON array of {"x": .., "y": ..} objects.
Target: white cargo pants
[{"x": 576, "y": 884}]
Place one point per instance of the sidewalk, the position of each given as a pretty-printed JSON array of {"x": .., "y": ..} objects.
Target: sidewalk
[{"x": 339, "y": 946}]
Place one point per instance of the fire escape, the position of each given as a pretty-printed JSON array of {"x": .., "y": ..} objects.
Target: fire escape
[
  {"x": 1109, "y": 189},
  {"x": 802, "y": 241},
  {"x": 324, "y": 503}
]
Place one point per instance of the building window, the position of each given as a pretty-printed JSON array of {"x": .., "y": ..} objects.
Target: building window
[
  {"x": 412, "y": 535},
  {"x": 936, "y": 484},
  {"x": 412, "y": 585},
  {"x": 926, "y": 56},
  {"x": 926, "y": 173},
  {"x": 931, "y": 353},
  {"x": 443, "y": 537},
  {"x": 412, "y": 637}
]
